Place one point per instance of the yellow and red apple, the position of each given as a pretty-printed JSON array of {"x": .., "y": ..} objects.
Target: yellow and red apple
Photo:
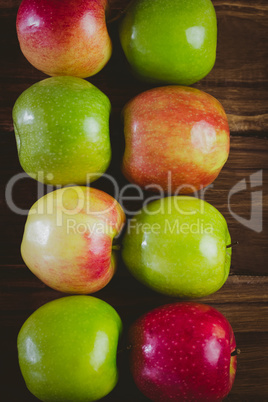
[
  {"x": 68, "y": 239},
  {"x": 176, "y": 138},
  {"x": 64, "y": 37}
]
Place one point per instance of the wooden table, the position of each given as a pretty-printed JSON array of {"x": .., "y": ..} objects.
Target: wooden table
[{"x": 239, "y": 81}]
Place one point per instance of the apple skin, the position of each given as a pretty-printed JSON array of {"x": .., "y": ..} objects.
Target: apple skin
[
  {"x": 62, "y": 131},
  {"x": 64, "y": 37},
  {"x": 182, "y": 352},
  {"x": 170, "y": 44},
  {"x": 67, "y": 350},
  {"x": 177, "y": 246},
  {"x": 68, "y": 239},
  {"x": 188, "y": 131}
]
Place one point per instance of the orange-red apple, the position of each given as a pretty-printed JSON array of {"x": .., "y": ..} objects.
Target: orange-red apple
[
  {"x": 64, "y": 37},
  {"x": 176, "y": 138}
]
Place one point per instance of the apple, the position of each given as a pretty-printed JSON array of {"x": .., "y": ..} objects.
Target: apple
[
  {"x": 178, "y": 246},
  {"x": 67, "y": 350},
  {"x": 170, "y": 42},
  {"x": 177, "y": 138},
  {"x": 68, "y": 239},
  {"x": 183, "y": 352},
  {"x": 64, "y": 37},
  {"x": 62, "y": 131}
]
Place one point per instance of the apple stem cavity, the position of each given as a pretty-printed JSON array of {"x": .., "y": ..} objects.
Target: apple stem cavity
[
  {"x": 235, "y": 243},
  {"x": 236, "y": 352}
]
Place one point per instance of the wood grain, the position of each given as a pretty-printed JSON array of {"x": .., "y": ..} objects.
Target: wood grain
[
  {"x": 240, "y": 81},
  {"x": 243, "y": 300},
  {"x": 239, "y": 78},
  {"x": 248, "y": 155}
]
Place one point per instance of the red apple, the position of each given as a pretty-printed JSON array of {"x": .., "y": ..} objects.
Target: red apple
[
  {"x": 64, "y": 37},
  {"x": 183, "y": 352},
  {"x": 68, "y": 239},
  {"x": 176, "y": 138}
]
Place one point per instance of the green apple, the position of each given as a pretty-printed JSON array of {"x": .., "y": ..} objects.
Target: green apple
[
  {"x": 67, "y": 350},
  {"x": 178, "y": 246},
  {"x": 62, "y": 131},
  {"x": 170, "y": 41}
]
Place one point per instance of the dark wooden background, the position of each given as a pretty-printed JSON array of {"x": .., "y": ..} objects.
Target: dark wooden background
[{"x": 239, "y": 81}]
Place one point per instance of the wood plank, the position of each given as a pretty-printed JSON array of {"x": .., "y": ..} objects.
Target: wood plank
[
  {"x": 251, "y": 340},
  {"x": 241, "y": 300},
  {"x": 248, "y": 387},
  {"x": 28, "y": 293},
  {"x": 239, "y": 79},
  {"x": 237, "y": 289},
  {"x": 248, "y": 156}
]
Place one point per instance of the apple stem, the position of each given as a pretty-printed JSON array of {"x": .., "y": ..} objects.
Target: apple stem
[
  {"x": 236, "y": 352},
  {"x": 116, "y": 247},
  {"x": 232, "y": 244}
]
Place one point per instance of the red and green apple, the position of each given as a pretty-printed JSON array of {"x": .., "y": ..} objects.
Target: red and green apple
[
  {"x": 178, "y": 246},
  {"x": 177, "y": 138},
  {"x": 68, "y": 239},
  {"x": 62, "y": 131},
  {"x": 172, "y": 42},
  {"x": 183, "y": 352},
  {"x": 64, "y": 37},
  {"x": 67, "y": 350}
]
